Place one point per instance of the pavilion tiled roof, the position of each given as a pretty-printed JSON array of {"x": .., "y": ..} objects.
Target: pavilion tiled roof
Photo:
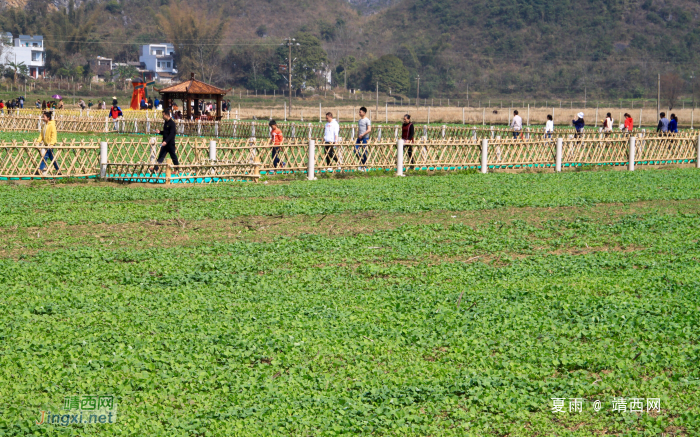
[{"x": 192, "y": 86}]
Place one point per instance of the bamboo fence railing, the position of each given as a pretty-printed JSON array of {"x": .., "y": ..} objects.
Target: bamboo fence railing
[
  {"x": 210, "y": 161},
  {"x": 68, "y": 122}
]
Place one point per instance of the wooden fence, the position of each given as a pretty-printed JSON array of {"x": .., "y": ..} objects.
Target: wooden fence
[
  {"x": 261, "y": 130},
  {"x": 210, "y": 161}
]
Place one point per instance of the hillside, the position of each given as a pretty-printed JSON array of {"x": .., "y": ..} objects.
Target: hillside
[
  {"x": 542, "y": 47},
  {"x": 497, "y": 48}
]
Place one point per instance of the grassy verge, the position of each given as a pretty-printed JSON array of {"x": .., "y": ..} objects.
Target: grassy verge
[{"x": 456, "y": 305}]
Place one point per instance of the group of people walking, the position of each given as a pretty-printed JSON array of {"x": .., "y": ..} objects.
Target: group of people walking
[
  {"x": 331, "y": 137},
  {"x": 48, "y": 137},
  {"x": 665, "y": 125}
]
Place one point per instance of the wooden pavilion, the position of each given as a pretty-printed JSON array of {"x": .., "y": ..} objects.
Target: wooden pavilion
[{"x": 189, "y": 91}]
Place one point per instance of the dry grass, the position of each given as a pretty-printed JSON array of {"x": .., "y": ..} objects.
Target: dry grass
[{"x": 488, "y": 116}]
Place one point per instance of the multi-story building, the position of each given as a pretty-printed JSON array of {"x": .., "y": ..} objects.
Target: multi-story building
[
  {"x": 27, "y": 50},
  {"x": 160, "y": 60},
  {"x": 100, "y": 68}
]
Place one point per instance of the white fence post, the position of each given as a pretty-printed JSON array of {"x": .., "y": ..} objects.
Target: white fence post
[
  {"x": 399, "y": 158},
  {"x": 443, "y": 131},
  {"x": 212, "y": 150},
  {"x": 633, "y": 143},
  {"x": 462, "y": 115},
  {"x": 560, "y": 144},
  {"x": 252, "y": 129},
  {"x": 104, "y": 159},
  {"x": 310, "y": 130},
  {"x": 216, "y": 129},
  {"x": 311, "y": 173},
  {"x": 379, "y": 133},
  {"x": 484, "y": 155},
  {"x": 492, "y": 133}
]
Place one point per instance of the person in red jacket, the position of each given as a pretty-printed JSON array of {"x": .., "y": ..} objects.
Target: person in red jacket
[
  {"x": 407, "y": 134},
  {"x": 629, "y": 123},
  {"x": 276, "y": 139},
  {"x": 115, "y": 113}
]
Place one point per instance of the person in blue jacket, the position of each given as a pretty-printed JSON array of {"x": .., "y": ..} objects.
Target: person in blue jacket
[
  {"x": 673, "y": 124},
  {"x": 579, "y": 123}
]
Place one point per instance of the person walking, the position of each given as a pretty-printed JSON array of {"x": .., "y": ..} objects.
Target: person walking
[
  {"x": 38, "y": 104},
  {"x": 579, "y": 124},
  {"x": 331, "y": 133},
  {"x": 408, "y": 133},
  {"x": 608, "y": 124},
  {"x": 549, "y": 127},
  {"x": 673, "y": 124},
  {"x": 276, "y": 139},
  {"x": 663, "y": 124},
  {"x": 47, "y": 139},
  {"x": 364, "y": 129},
  {"x": 167, "y": 146},
  {"x": 115, "y": 113},
  {"x": 629, "y": 123},
  {"x": 516, "y": 124},
  {"x": 44, "y": 106},
  {"x": 2, "y": 107},
  {"x": 21, "y": 102}
]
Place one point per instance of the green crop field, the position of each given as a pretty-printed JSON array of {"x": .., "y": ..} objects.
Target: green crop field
[{"x": 454, "y": 305}]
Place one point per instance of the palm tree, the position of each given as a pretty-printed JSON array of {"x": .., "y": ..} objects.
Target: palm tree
[{"x": 18, "y": 68}]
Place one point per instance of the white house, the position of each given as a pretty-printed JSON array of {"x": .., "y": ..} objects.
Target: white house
[
  {"x": 159, "y": 59},
  {"x": 25, "y": 49}
]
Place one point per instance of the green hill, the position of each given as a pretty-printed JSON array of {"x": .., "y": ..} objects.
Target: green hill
[
  {"x": 613, "y": 48},
  {"x": 501, "y": 49}
]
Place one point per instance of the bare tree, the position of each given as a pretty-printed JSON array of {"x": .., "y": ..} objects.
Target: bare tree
[
  {"x": 671, "y": 87},
  {"x": 195, "y": 37}
]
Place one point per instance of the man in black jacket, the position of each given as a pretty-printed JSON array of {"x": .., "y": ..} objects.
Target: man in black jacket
[{"x": 168, "y": 144}]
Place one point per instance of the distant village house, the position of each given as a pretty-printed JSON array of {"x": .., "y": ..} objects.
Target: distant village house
[{"x": 27, "y": 50}]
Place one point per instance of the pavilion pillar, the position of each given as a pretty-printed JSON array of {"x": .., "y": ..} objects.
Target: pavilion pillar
[{"x": 218, "y": 107}]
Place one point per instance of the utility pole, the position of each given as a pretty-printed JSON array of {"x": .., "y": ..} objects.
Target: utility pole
[
  {"x": 290, "y": 42},
  {"x": 376, "y": 108},
  {"x": 658, "y": 97},
  {"x": 417, "y": 91},
  {"x": 692, "y": 80}
]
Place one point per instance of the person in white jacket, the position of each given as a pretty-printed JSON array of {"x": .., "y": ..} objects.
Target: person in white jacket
[
  {"x": 608, "y": 124},
  {"x": 516, "y": 124},
  {"x": 330, "y": 136},
  {"x": 549, "y": 127}
]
